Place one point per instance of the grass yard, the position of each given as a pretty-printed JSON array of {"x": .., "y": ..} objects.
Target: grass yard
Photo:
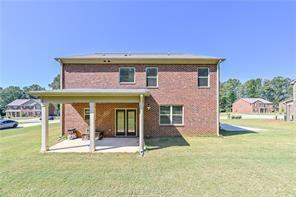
[{"x": 236, "y": 164}]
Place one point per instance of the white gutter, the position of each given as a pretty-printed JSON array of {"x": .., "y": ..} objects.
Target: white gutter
[{"x": 218, "y": 95}]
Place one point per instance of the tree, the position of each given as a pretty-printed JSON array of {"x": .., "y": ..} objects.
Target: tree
[
  {"x": 229, "y": 92},
  {"x": 277, "y": 89},
  {"x": 8, "y": 95},
  {"x": 252, "y": 88},
  {"x": 55, "y": 84},
  {"x": 34, "y": 87}
]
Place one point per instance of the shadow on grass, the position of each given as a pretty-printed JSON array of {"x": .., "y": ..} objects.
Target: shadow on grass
[
  {"x": 164, "y": 142},
  {"x": 229, "y": 130},
  {"x": 10, "y": 128},
  {"x": 230, "y": 133}
]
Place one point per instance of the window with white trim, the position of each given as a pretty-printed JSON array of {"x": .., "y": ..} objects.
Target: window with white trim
[
  {"x": 127, "y": 75},
  {"x": 203, "y": 77},
  {"x": 171, "y": 115},
  {"x": 151, "y": 76}
]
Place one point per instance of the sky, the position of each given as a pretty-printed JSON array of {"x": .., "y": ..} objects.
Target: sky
[{"x": 257, "y": 38}]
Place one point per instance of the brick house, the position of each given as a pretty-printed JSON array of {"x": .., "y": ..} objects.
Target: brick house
[
  {"x": 289, "y": 106},
  {"x": 136, "y": 95},
  {"x": 23, "y": 108},
  {"x": 252, "y": 105},
  {"x": 294, "y": 100},
  {"x": 26, "y": 108}
]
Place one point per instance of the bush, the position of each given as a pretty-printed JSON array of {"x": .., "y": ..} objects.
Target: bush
[{"x": 236, "y": 117}]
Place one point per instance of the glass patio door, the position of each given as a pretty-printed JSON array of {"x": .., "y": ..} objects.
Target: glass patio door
[
  {"x": 131, "y": 122},
  {"x": 125, "y": 122},
  {"x": 120, "y": 122}
]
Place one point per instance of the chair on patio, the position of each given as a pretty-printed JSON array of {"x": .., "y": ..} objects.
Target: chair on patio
[
  {"x": 72, "y": 134},
  {"x": 99, "y": 134}
]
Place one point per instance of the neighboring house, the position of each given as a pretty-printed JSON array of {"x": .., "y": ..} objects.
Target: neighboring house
[
  {"x": 288, "y": 109},
  {"x": 25, "y": 108},
  {"x": 252, "y": 105},
  {"x": 289, "y": 105},
  {"x": 137, "y": 95}
]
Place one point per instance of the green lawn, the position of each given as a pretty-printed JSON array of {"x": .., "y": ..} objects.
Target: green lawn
[{"x": 250, "y": 164}]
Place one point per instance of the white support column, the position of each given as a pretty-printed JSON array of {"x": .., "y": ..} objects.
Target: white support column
[
  {"x": 44, "y": 127},
  {"x": 61, "y": 104},
  {"x": 141, "y": 125},
  {"x": 61, "y": 119},
  {"x": 92, "y": 126}
]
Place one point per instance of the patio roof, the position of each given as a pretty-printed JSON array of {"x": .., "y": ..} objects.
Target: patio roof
[
  {"x": 91, "y": 96},
  {"x": 90, "y": 92}
]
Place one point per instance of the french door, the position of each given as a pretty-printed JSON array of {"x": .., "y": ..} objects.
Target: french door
[{"x": 126, "y": 122}]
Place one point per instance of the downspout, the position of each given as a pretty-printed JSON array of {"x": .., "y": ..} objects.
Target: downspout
[
  {"x": 218, "y": 96},
  {"x": 61, "y": 105}
]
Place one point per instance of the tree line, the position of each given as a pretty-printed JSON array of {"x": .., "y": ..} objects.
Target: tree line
[
  {"x": 275, "y": 90},
  {"x": 12, "y": 93}
]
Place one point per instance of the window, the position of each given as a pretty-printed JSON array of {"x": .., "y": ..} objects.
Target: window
[
  {"x": 86, "y": 114},
  {"x": 127, "y": 75},
  {"x": 171, "y": 115},
  {"x": 151, "y": 77},
  {"x": 203, "y": 77}
]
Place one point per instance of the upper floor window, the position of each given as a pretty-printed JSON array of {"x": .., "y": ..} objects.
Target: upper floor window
[
  {"x": 127, "y": 75},
  {"x": 203, "y": 77},
  {"x": 152, "y": 77}
]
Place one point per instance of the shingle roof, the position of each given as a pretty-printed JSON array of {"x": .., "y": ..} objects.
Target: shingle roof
[
  {"x": 253, "y": 100},
  {"x": 141, "y": 56},
  {"x": 18, "y": 102}
]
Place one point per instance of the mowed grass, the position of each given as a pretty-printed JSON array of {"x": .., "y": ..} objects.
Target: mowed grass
[{"x": 250, "y": 164}]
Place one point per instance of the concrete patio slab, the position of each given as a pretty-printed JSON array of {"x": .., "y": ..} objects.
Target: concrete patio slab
[{"x": 106, "y": 145}]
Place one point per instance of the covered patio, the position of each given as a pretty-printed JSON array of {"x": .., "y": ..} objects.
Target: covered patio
[
  {"x": 106, "y": 145},
  {"x": 92, "y": 97}
]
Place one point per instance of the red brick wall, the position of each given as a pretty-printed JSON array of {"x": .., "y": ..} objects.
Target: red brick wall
[
  {"x": 241, "y": 106},
  {"x": 105, "y": 116},
  {"x": 177, "y": 85}
]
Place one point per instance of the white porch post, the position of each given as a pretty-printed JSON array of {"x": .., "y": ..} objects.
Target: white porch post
[
  {"x": 141, "y": 125},
  {"x": 44, "y": 127},
  {"x": 92, "y": 126}
]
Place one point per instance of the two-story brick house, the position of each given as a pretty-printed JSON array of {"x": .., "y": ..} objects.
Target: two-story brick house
[
  {"x": 252, "y": 105},
  {"x": 23, "y": 108},
  {"x": 26, "y": 108},
  {"x": 137, "y": 95}
]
